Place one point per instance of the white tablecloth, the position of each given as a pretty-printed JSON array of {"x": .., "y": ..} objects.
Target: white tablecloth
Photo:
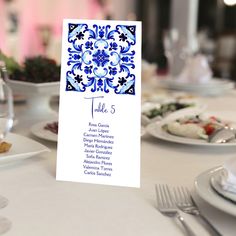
[{"x": 41, "y": 206}]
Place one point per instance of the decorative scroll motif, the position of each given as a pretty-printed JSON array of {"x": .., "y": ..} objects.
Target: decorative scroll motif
[{"x": 101, "y": 58}]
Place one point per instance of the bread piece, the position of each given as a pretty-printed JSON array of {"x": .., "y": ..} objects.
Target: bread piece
[{"x": 4, "y": 147}]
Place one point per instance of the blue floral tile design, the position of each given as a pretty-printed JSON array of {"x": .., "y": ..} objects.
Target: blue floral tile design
[{"x": 101, "y": 58}]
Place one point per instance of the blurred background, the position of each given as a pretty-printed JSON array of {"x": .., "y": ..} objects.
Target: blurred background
[{"x": 34, "y": 27}]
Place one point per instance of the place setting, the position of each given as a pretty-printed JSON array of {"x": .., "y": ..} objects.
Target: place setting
[
  {"x": 217, "y": 186},
  {"x": 176, "y": 201},
  {"x": 13, "y": 147},
  {"x": 196, "y": 76}
]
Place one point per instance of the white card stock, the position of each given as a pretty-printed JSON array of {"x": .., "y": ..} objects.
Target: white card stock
[{"x": 100, "y": 99}]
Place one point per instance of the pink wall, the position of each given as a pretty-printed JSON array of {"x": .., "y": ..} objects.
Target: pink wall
[
  {"x": 2, "y": 27},
  {"x": 33, "y": 13}
]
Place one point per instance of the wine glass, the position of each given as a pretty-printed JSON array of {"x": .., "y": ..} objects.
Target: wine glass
[
  {"x": 6, "y": 123},
  {"x": 170, "y": 39},
  {"x": 6, "y": 109},
  {"x": 6, "y": 114},
  {"x": 176, "y": 51}
]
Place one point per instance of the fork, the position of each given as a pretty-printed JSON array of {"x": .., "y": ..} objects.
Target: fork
[
  {"x": 186, "y": 203},
  {"x": 167, "y": 207}
]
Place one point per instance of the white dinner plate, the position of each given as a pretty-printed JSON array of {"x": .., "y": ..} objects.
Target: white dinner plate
[
  {"x": 215, "y": 183},
  {"x": 215, "y": 86},
  {"x": 156, "y": 130},
  {"x": 39, "y": 131},
  {"x": 205, "y": 191},
  {"x": 22, "y": 148}
]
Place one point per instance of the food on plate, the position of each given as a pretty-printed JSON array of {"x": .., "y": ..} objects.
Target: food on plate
[
  {"x": 53, "y": 127},
  {"x": 162, "y": 110},
  {"x": 196, "y": 127},
  {"x": 186, "y": 130},
  {"x": 5, "y": 147}
]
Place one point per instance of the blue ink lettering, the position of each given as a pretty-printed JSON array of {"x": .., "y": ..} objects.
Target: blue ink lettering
[{"x": 100, "y": 108}]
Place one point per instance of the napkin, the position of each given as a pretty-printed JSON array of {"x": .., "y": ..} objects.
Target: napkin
[
  {"x": 196, "y": 70},
  {"x": 228, "y": 178}
]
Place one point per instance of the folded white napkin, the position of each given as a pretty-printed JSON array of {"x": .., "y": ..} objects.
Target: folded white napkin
[
  {"x": 196, "y": 70},
  {"x": 228, "y": 178}
]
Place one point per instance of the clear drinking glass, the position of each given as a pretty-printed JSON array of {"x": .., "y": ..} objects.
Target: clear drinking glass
[
  {"x": 6, "y": 115},
  {"x": 6, "y": 109},
  {"x": 6, "y": 123},
  {"x": 176, "y": 51}
]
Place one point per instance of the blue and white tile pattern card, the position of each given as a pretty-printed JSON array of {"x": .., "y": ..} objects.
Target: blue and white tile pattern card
[{"x": 100, "y": 99}]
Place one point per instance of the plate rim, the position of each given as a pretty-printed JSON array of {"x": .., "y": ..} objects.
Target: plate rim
[
  {"x": 216, "y": 86},
  {"x": 215, "y": 185},
  {"x": 9, "y": 158},
  {"x": 163, "y": 135},
  {"x": 211, "y": 196},
  {"x": 40, "y": 124},
  {"x": 215, "y": 82}
]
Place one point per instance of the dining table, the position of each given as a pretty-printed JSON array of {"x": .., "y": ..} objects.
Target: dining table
[{"x": 40, "y": 205}]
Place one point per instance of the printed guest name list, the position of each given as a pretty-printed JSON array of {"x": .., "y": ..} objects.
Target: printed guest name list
[
  {"x": 98, "y": 148},
  {"x": 100, "y": 94}
]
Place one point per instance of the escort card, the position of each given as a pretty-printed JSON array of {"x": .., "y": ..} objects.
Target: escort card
[{"x": 100, "y": 99}]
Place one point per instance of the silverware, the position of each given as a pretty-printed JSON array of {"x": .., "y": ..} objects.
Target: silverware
[
  {"x": 167, "y": 207},
  {"x": 223, "y": 135},
  {"x": 186, "y": 203}
]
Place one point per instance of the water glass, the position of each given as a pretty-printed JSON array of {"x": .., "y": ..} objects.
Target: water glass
[{"x": 6, "y": 109}]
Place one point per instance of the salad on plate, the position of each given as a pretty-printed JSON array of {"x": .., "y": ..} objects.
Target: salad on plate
[{"x": 157, "y": 111}]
